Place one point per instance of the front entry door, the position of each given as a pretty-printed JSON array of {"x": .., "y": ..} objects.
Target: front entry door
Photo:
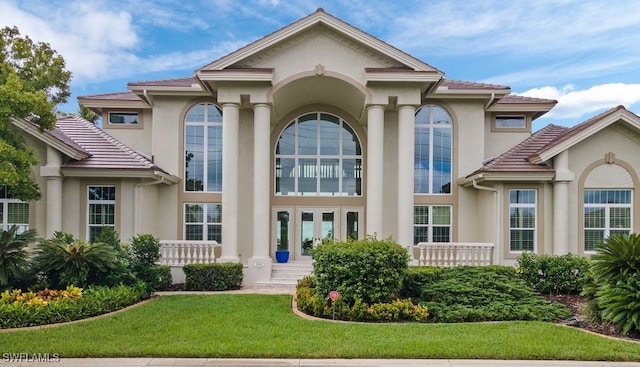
[{"x": 314, "y": 226}]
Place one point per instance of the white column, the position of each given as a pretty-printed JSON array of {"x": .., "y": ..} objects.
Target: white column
[
  {"x": 561, "y": 204},
  {"x": 51, "y": 172},
  {"x": 230, "y": 131},
  {"x": 260, "y": 262},
  {"x": 375, "y": 171},
  {"x": 406, "y": 127}
]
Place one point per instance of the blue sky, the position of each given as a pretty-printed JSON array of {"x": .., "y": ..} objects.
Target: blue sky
[{"x": 583, "y": 53}]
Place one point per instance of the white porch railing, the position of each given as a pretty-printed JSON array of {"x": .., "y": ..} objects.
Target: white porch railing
[
  {"x": 452, "y": 254},
  {"x": 180, "y": 253}
]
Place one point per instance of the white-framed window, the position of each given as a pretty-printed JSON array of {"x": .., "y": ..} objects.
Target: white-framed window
[
  {"x": 318, "y": 154},
  {"x": 101, "y": 210},
  {"x": 123, "y": 118},
  {"x": 203, "y": 221},
  {"x": 522, "y": 220},
  {"x": 203, "y": 148},
  {"x": 433, "y": 153},
  {"x": 606, "y": 212},
  {"x": 511, "y": 122},
  {"x": 431, "y": 223},
  {"x": 13, "y": 212}
]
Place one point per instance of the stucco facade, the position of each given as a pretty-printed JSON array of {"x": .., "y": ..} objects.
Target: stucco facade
[{"x": 321, "y": 130}]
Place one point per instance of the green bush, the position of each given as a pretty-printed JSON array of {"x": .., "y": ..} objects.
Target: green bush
[
  {"x": 122, "y": 272},
  {"x": 416, "y": 278},
  {"x": 467, "y": 293},
  {"x": 616, "y": 281},
  {"x": 94, "y": 301},
  {"x": 13, "y": 256},
  {"x": 66, "y": 261},
  {"x": 213, "y": 277},
  {"x": 566, "y": 274},
  {"x": 145, "y": 253},
  {"x": 368, "y": 270},
  {"x": 311, "y": 303}
]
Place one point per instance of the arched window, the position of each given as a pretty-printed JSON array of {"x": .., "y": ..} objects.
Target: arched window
[
  {"x": 318, "y": 154},
  {"x": 203, "y": 148},
  {"x": 432, "y": 157}
]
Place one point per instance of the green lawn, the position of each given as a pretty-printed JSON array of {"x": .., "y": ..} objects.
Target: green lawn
[{"x": 248, "y": 326}]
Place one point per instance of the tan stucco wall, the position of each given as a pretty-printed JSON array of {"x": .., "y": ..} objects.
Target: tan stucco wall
[{"x": 138, "y": 136}]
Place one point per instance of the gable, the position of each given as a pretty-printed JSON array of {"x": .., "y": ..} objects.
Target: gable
[{"x": 318, "y": 22}]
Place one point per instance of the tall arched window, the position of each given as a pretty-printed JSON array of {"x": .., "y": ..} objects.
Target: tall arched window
[
  {"x": 318, "y": 154},
  {"x": 433, "y": 155},
  {"x": 203, "y": 148}
]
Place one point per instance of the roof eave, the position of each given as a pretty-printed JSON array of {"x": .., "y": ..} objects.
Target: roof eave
[
  {"x": 511, "y": 176},
  {"x": 98, "y": 105},
  {"x": 120, "y": 173},
  {"x": 537, "y": 109},
  {"x": 470, "y": 93}
]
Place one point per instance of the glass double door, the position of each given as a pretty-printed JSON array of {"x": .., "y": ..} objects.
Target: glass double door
[{"x": 300, "y": 229}]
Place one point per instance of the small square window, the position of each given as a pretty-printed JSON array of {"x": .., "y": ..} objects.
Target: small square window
[
  {"x": 123, "y": 118},
  {"x": 511, "y": 122}
]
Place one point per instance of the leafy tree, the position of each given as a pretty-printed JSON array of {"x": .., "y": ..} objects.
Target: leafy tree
[
  {"x": 33, "y": 80},
  {"x": 87, "y": 114}
]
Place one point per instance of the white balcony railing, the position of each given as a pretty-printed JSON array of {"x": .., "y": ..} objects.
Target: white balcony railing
[
  {"x": 452, "y": 254},
  {"x": 180, "y": 253}
]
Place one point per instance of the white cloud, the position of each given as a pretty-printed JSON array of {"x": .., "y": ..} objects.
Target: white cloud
[{"x": 573, "y": 103}]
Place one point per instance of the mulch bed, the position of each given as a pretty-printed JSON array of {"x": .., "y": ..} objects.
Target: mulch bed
[{"x": 578, "y": 306}]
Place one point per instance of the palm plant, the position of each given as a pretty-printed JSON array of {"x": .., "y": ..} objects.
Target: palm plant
[
  {"x": 616, "y": 273},
  {"x": 73, "y": 262},
  {"x": 13, "y": 253}
]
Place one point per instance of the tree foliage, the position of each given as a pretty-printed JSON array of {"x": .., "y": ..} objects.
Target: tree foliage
[{"x": 33, "y": 80}]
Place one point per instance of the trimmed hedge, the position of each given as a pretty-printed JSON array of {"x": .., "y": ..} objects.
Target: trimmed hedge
[
  {"x": 213, "y": 277},
  {"x": 368, "y": 270},
  {"x": 416, "y": 278}
]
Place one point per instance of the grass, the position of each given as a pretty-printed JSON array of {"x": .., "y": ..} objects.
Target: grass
[{"x": 262, "y": 326}]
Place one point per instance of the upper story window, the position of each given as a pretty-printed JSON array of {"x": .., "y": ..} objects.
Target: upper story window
[
  {"x": 433, "y": 154},
  {"x": 123, "y": 118},
  {"x": 13, "y": 212},
  {"x": 511, "y": 122},
  {"x": 318, "y": 154},
  {"x": 203, "y": 148}
]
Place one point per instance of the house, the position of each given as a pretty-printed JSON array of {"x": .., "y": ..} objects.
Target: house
[{"x": 321, "y": 130}]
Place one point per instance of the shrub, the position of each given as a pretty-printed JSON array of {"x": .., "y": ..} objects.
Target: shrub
[
  {"x": 368, "y": 270},
  {"x": 616, "y": 286},
  {"x": 121, "y": 273},
  {"x": 566, "y": 274},
  {"x": 145, "y": 253},
  {"x": 416, "y": 278},
  {"x": 467, "y": 293},
  {"x": 66, "y": 261},
  {"x": 397, "y": 310},
  {"x": 67, "y": 305},
  {"x": 213, "y": 277},
  {"x": 13, "y": 256}
]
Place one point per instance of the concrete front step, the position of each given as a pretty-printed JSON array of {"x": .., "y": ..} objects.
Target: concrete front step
[{"x": 289, "y": 273}]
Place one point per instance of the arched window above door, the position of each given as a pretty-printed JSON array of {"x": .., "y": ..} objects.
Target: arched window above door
[
  {"x": 318, "y": 154},
  {"x": 203, "y": 148}
]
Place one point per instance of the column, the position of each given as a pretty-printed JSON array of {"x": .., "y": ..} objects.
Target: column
[
  {"x": 230, "y": 131},
  {"x": 406, "y": 137},
  {"x": 260, "y": 262},
  {"x": 375, "y": 171},
  {"x": 51, "y": 172},
  {"x": 561, "y": 204}
]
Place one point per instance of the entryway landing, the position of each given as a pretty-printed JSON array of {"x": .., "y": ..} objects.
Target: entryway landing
[{"x": 288, "y": 273}]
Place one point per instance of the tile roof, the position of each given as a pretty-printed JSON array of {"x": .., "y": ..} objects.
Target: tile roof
[
  {"x": 512, "y": 98},
  {"x": 128, "y": 96},
  {"x": 580, "y": 127},
  {"x": 177, "y": 82},
  {"x": 460, "y": 84},
  {"x": 516, "y": 159},
  {"x": 105, "y": 151}
]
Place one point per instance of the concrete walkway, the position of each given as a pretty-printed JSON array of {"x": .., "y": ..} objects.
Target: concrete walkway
[{"x": 199, "y": 362}]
